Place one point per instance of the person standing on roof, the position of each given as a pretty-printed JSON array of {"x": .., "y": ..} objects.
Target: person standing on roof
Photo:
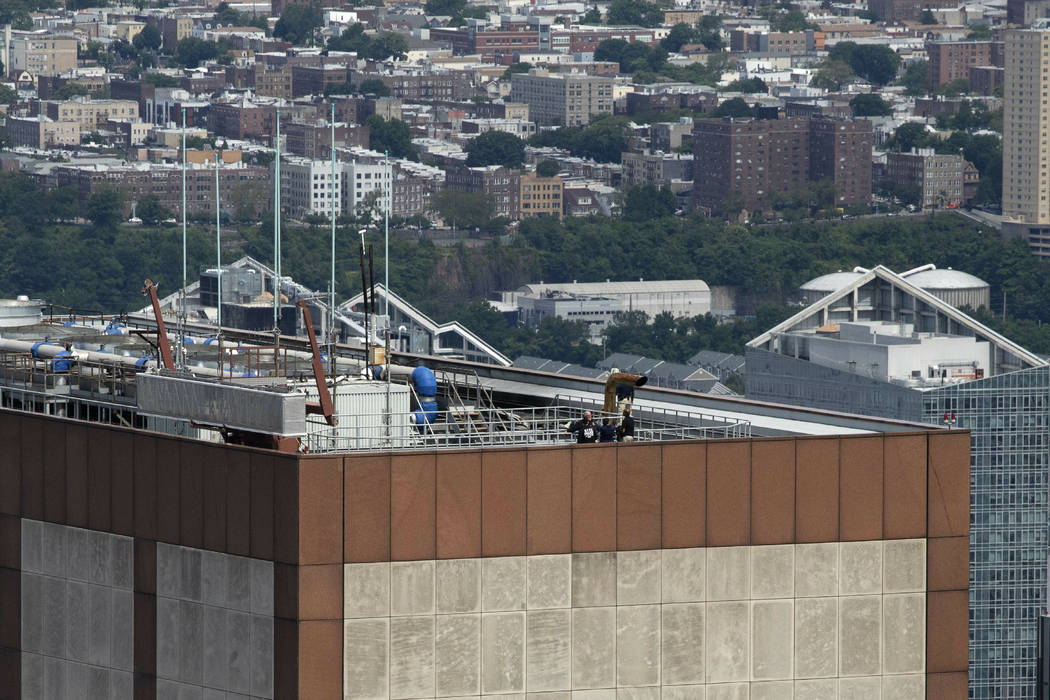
[
  {"x": 585, "y": 429},
  {"x": 625, "y": 431}
]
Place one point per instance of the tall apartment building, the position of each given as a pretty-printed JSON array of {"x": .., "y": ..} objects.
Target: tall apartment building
[
  {"x": 308, "y": 187},
  {"x": 951, "y": 60},
  {"x": 881, "y": 345},
  {"x": 540, "y": 196},
  {"x": 314, "y": 139},
  {"x": 90, "y": 114},
  {"x": 41, "y": 53},
  {"x": 565, "y": 99},
  {"x": 656, "y": 168},
  {"x": 313, "y": 80},
  {"x": 362, "y": 180},
  {"x": 904, "y": 10},
  {"x": 748, "y": 160},
  {"x": 1026, "y": 168},
  {"x": 939, "y": 177},
  {"x": 41, "y": 132},
  {"x": 776, "y": 43},
  {"x": 241, "y": 120},
  {"x": 1025, "y": 13}
]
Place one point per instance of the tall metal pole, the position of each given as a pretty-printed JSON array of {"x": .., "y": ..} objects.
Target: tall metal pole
[
  {"x": 334, "y": 192},
  {"x": 218, "y": 248},
  {"x": 277, "y": 230},
  {"x": 182, "y": 292},
  {"x": 386, "y": 236}
]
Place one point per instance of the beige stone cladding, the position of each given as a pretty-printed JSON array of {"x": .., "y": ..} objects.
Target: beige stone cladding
[{"x": 783, "y": 622}]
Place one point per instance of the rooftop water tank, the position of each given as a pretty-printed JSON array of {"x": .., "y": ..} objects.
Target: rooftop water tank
[
  {"x": 953, "y": 287},
  {"x": 19, "y": 312},
  {"x": 819, "y": 287}
]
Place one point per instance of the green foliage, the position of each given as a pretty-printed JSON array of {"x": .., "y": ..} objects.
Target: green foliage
[
  {"x": 7, "y": 95},
  {"x": 445, "y": 7},
  {"x": 915, "y": 77},
  {"x": 391, "y": 136},
  {"x": 831, "y": 75},
  {"x": 374, "y": 86},
  {"x": 870, "y": 105},
  {"x": 297, "y": 23},
  {"x": 547, "y": 168},
  {"x": 980, "y": 32},
  {"x": 748, "y": 86},
  {"x": 706, "y": 73},
  {"x": 631, "y": 55},
  {"x": 876, "y": 64},
  {"x": 159, "y": 80},
  {"x": 71, "y": 90},
  {"x": 150, "y": 210},
  {"x": 377, "y": 47},
  {"x": 467, "y": 210},
  {"x": 190, "y": 52},
  {"x": 926, "y": 17},
  {"x": 148, "y": 39},
  {"x": 680, "y": 35},
  {"x": 648, "y": 202},
  {"x": 603, "y": 140},
  {"x": 496, "y": 148},
  {"x": 591, "y": 16},
  {"x": 520, "y": 67},
  {"x": 953, "y": 88},
  {"x": 736, "y": 107},
  {"x": 226, "y": 15},
  {"x": 790, "y": 21},
  {"x": 709, "y": 30},
  {"x": 634, "y": 13},
  {"x": 105, "y": 209},
  {"x": 16, "y": 12}
]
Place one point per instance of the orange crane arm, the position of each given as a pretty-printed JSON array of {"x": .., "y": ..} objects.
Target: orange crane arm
[
  {"x": 325, "y": 408},
  {"x": 166, "y": 358}
]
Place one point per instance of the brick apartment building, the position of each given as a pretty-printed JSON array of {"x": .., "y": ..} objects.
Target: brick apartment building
[
  {"x": 242, "y": 188},
  {"x": 540, "y": 196},
  {"x": 586, "y": 39},
  {"x": 905, "y": 10},
  {"x": 752, "y": 159},
  {"x": 951, "y": 60},
  {"x": 776, "y": 43},
  {"x": 90, "y": 114},
  {"x": 938, "y": 177},
  {"x": 494, "y": 45},
  {"x": 435, "y": 86},
  {"x": 502, "y": 184},
  {"x": 241, "y": 120},
  {"x": 313, "y": 80},
  {"x": 41, "y": 132},
  {"x": 314, "y": 139}
]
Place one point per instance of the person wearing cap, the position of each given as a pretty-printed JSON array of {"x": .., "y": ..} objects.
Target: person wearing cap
[{"x": 585, "y": 429}]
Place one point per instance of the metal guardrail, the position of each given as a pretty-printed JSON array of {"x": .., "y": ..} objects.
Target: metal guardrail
[{"x": 485, "y": 427}]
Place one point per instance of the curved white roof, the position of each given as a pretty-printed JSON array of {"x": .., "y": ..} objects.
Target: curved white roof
[
  {"x": 599, "y": 288},
  {"x": 946, "y": 279},
  {"x": 832, "y": 282}
]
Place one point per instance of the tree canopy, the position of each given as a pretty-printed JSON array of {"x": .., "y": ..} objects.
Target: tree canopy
[
  {"x": 603, "y": 140},
  {"x": 748, "y": 85},
  {"x": 547, "y": 168},
  {"x": 635, "y": 13},
  {"x": 870, "y": 105},
  {"x": 374, "y": 86},
  {"x": 648, "y": 202},
  {"x": 877, "y": 64},
  {"x": 496, "y": 148},
  {"x": 190, "y": 52},
  {"x": 467, "y": 210},
  {"x": 297, "y": 23},
  {"x": 392, "y": 136},
  {"x": 148, "y": 39}
]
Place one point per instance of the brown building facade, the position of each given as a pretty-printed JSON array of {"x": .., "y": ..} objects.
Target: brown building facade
[
  {"x": 759, "y": 564},
  {"x": 951, "y": 60},
  {"x": 241, "y": 120},
  {"x": 741, "y": 163}
]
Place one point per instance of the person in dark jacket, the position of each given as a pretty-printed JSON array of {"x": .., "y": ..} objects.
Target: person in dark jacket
[
  {"x": 625, "y": 432},
  {"x": 585, "y": 430},
  {"x": 607, "y": 433}
]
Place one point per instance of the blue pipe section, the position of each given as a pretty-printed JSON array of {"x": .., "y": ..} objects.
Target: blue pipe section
[
  {"x": 61, "y": 363},
  {"x": 426, "y": 388}
]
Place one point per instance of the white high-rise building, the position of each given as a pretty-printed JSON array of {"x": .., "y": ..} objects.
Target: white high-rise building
[
  {"x": 361, "y": 180},
  {"x": 1026, "y": 141},
  {"x": 307, "y": 186}
]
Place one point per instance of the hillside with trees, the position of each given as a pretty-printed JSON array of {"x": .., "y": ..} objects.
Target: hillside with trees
[{"x": 100, "y": 265}]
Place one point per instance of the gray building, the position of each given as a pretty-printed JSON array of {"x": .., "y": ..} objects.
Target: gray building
[
  {"x": 883, "y": 346},
  {"x": 563, "y": 99}
]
